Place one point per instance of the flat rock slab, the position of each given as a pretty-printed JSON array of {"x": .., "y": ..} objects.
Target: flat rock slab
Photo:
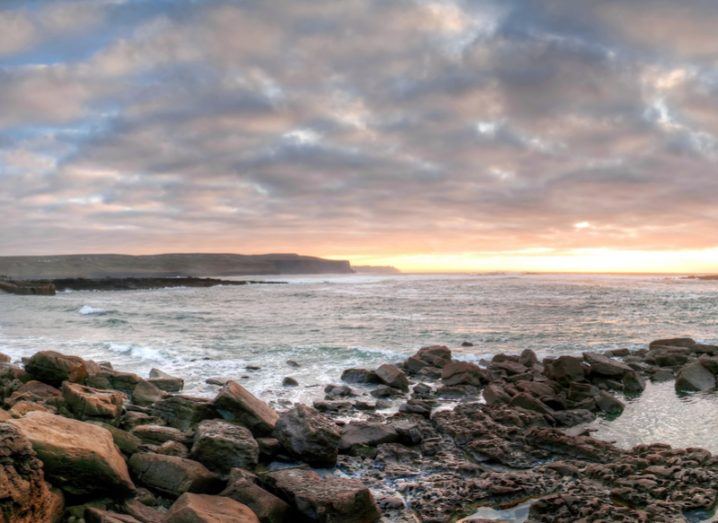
[{"x": 79, "y": 457}]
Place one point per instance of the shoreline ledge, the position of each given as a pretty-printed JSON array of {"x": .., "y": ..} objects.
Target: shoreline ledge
[{"x": 430, "y": 439}]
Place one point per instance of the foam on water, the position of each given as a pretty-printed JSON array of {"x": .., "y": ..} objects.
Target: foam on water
[{"x": 88, "y": 310}]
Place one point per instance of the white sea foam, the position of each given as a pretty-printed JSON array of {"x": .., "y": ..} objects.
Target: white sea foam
[{"x": 89, "y": 310}]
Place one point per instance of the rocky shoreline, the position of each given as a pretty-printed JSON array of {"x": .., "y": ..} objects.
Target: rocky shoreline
[{"x": 427, "y": 439}]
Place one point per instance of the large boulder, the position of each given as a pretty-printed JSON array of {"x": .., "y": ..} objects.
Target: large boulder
[
  {"x": 53, "y": 368},
  {"x": 202, "y": 508},
  {"x": 86, "y": 402},
  {"x": 159, "y": 434},
  {"x": 235, "y": 403},
  {"x": 79, "y": 457},
  {"x": 392, "y": 376},
  {"x": 25, "y": 496},
  {"x": 565, "y": 369},
  {"x": 183, "y": 412},
  {"x": 308, "y": 435},
  {"x": 221, "y": 445},
  {"x": 172, "y": 475},
  {"x": 242, "y": 487},
  {"x": 107, "y": 378},
  {"x": 360, "y": 376},
  {"x": 325, "y": 499},
  {"x": 695, "y": 377},
  {"x": 361, "y": 433},
  {"x": 673, "y": 342}
]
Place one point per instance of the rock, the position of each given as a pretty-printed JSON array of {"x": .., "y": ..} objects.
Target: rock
[
  {"x": 529, "y": 402},
  {"x": 140, "y": 511},
  {"x": 608, "y": 404},
  {"x": 104, "y": 378},
  {"x": 173, "y": 448},
  {"x": 127, "y": 443},
  {"x": 467, "y": 344},
  {"x": 360, "y": 376},
  {"x": 235, "y": 403},
  {"x": 360, "y": 433},
  {"x": 392, "y": 376},
  {"x": 267, "y": 507},
  {"x": 509, "y": 367},
  {"x": 414, "y": 406},
  {"x": 221, "y": 446},
  {"x": 202, "y": 508},
  {"x": 79, "y": 457},
  {"x": 333, "y": 392},
  {"x": 600, "y": 364},
  {"x": 326, "y": 500},
  {"x": 633, "y": 383},
  {"x": 159, "y": 434},
  {"x": 53, "y": 368},
  {"x": 183, "y": 412},
  {"x": 36, "y": 392},
  {"x": 96, "y": 515},
  {"x": 289, "y": 382},
  {"x": 145, "y": 393},
  {"x": 165, "y": 382},
  {"x": 172, "y": 475},
  {"x": 495, "y": 393},
  {"x": 528, "y": 358},
  {"x": 564, "y": 369},
  {"x": 463, "y": 373},
  {"x": 673, "y": 342},
  {"x": 293, "y": 364},
  {"x": 435, "y": 355},
  {"x": 86, "y": 402},
  {"x": 26, "y": 497},
  {"x": 694, "y": 377},
  {"x": 385, "y": 391},
  {"x": 308, "y": 435}
]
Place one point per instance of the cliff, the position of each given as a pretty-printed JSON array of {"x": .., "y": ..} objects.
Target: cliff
[{"x": 163, "y": 265}]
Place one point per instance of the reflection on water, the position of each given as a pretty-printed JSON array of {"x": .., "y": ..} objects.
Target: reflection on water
[
  {"x": 659, "y": 415},
  {"x": 517, "y": 514}
]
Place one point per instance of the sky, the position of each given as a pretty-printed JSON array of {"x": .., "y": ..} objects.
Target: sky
[{"x": 547, "y": 135}]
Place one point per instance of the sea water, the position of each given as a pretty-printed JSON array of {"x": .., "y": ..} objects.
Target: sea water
[{"x": 327, "y": 323}]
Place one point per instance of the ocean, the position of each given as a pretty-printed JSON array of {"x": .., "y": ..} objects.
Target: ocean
[{"x": 327, "y": 323}]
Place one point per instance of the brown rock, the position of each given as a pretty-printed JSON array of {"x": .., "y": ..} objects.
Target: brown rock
[
  {"x": 53, "y": 368},
  {"x": 221, "y": 446},
  {"x": 326, "y": 500},
  {"x": 172, "y": 475},
  {"x": 268, "y": 507},
  {"x": 463, "y": 373},
  {"x": 165, "y": 382},
  {"x": 392, "y": 376},
  {"x": 308, "y": 435},
  {"x": 235, "y": 403},
  {"x": 79, "y": 457},
  {"x": 183, "y": 412},
  {"x": 86, "y": 402},
  {"x": 201, "y": 508}
]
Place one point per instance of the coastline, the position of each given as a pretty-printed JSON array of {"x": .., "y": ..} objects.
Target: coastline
[{"x": 426, "y": 439}]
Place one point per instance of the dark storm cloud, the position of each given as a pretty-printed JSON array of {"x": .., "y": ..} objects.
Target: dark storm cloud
[{"x": 358, "y": 126}]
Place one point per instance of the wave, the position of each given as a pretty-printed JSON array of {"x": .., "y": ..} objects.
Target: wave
[
  {"x": 89, "y": 310},
  {"x": 136, "y": 351}
]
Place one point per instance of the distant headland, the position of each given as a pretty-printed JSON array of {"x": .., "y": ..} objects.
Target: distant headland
[{"x": 97, "y": 266}]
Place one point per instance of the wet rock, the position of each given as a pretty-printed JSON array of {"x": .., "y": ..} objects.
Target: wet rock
[
  {"x": 26, "y": 497},
  {"x": 183, "y": 412},
  {"x": 361, "y": 433},
  {"x": 235, "y": 403},
  {"x": 326, "y": 500},
  {"x": 385, "y": 391},
  {"x": 463, "y": 373},
  {"x": 604, "y": 366},
  {"x": 53, "y": 368},
  {"x": 293, "y": 364},
  {"x": 332, "y": 406},
  {"x": 221, "y": 446},
  {"x": 633, "y": 383},
  {"x": 467, "y": 344},
  {"x": 165, "y": 382},
  {"x": 333, "y": 392},
  {"x": 608, "y": 403},
  {"x": 86, "y": 402},
  {"x": 415, "y": 406},
  {"x": 308, "y": 435},
  {"x": 393, "y": 376},
  {"x": 672, "y": 342},
  {"x": 663, "y": 356},
  {"x": 528, "y": 358},
  {"x": 360, "y": 376},
  {"x": 564, "y": 369},
  {"x": 289, "y": 382},
  {"x": 172, "y": 475},
  {"x": 267, "y": 507},
  {"x": 495, "y": 394},
  {"x": 508, "y": 367},
  {"x": 140, "y": 511},
  {"x": 79, "y": 457},
  {"x": 203, "y": 508},
  {"x": 435, "y": 355},
  {"x": 695, "y": 377},
  {"x": 97, "y": 515}
]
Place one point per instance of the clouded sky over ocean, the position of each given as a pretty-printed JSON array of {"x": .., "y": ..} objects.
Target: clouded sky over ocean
[{"x": 431, "y": 134}]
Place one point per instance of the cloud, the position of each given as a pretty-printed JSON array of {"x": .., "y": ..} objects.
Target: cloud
[{"x": 365, "y": 126}]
